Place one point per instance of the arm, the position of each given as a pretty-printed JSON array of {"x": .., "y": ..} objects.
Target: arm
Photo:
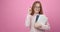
[
  {"x": 27, "y": 21},
  {"x": 46, "y": 26}
]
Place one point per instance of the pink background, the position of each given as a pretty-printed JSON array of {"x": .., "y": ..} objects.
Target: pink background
[{"x": 13, "y": 14}]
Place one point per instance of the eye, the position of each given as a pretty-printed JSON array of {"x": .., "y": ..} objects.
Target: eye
[{"x": 37, "y": 7}]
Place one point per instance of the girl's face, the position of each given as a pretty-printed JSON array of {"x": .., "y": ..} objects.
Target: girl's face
[{"x": 37, "y": 8}]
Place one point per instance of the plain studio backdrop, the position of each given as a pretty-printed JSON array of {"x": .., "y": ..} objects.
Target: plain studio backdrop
[{"x": 13, "y": 14}]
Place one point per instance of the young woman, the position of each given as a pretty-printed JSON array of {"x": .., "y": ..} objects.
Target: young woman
[{"x": 31, "y": 19}]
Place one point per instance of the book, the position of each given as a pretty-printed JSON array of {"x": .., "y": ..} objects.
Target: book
[{"x": 42, "y": 19}]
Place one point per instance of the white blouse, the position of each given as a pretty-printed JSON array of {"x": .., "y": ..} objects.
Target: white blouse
[{"x": 30, "y": 20}]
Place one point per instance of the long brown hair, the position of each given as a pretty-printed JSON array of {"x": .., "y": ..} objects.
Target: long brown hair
[{"x": 32, "y": 8}]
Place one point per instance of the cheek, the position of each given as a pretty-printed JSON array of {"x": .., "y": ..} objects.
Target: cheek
[{"x": 36, "y": 10}]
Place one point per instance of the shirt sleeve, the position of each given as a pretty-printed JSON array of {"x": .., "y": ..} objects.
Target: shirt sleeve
[{"x": 27, "y": 21}]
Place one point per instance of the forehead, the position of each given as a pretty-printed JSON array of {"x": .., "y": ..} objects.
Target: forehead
[{"x": 37, "y": 4}]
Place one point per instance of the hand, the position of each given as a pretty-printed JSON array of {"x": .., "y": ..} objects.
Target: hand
[
  {"x": 29, "y": 10},
  {"x": 37, "y": 25}
]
